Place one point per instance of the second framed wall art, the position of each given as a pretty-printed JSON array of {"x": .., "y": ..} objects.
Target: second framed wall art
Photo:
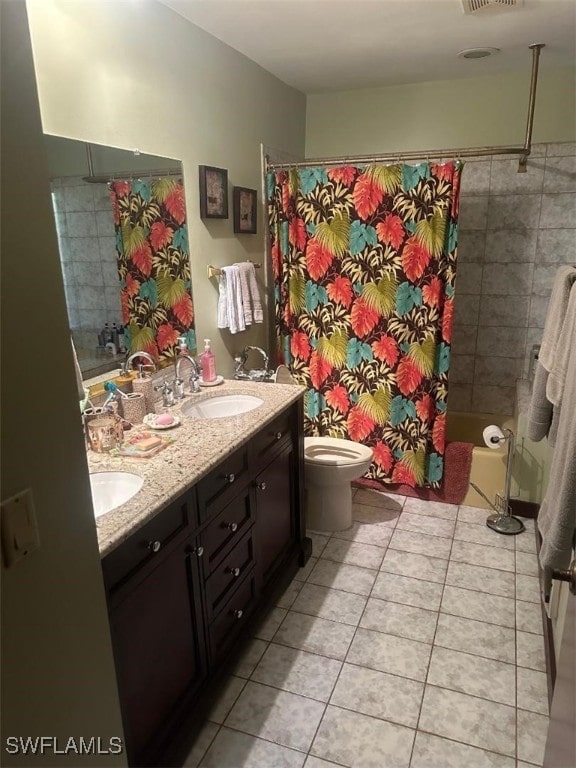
[{"x": 245, "y": 210}]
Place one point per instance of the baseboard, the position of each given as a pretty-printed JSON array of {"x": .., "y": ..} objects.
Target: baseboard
[{"x": 522, "y": 508}]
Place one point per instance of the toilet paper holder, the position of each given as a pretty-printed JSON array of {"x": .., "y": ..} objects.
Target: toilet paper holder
[{"x": 502, "y": 521}]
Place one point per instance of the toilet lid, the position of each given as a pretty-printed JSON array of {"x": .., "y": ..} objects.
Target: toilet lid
[{"x": 335, "y": 451}]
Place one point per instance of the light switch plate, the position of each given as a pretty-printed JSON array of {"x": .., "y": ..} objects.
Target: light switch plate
[{"x": 19, "y": 527}]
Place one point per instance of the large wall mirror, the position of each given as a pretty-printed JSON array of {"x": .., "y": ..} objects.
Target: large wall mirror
[{"x": 123, "y": 241}]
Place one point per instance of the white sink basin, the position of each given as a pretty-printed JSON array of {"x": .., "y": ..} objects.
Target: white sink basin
[
  {"x": 221, "y": 407},
  {"x": 111, "y": 489}
]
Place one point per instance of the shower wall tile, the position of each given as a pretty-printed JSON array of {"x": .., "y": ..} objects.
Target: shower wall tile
[
  {"x": 558, "y": 211},
  {"x": 464, "y": 339},
  {"x": 105, "y": 223},
  {"x": 500, "y": 342},
  {"x": 490, "y": 399},
  {"x": 513, "y": 211},
  {"x": 460, "y": 397},
  {"x": 471, "y": 245},
  {"x": 511, "y": 245},
  {"x": 476, "y": 178},
  {"x": 461, "y": 369},
  {"x": 556, "y": 246},
  {"x": 499, "y": 312},
  {"x": 538, "y": 309},
  {"x": 469, "y": 278},
  {"x": 79, "y": 198},
  {"x": 88, "y": 273},
  {"x": 505, "y": 179},
  {"x": 499, "y": 371},
  {"x": 81, "y": 224},
  {"x": 560, "y": 174},
  {"x": 108, "y": 248},
  {"x": 84, "y": 249},
  {"x": 466, "y": 309},
  {"x": 507, "y": 279},
  {"x": 112, "y": 300},
  {"x": 101, "y": 197},
  {"x": 87, "y": 244},
  {"x": 473, "y": 213},
  {"x": 91, "y": 298}
]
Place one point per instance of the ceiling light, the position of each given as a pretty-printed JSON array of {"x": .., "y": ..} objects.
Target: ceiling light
[{"x": 478, "y": 53}]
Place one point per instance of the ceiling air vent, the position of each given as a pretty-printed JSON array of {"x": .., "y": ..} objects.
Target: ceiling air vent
[{"x": 478, "y": 6}]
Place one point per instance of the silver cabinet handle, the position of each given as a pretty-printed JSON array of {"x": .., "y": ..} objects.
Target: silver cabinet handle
[
  {"x": 238, "y": 614},
  {"x": 154, "y": 546},
  {"x": 261, "y": 486},
  {"x": 198, "y": 551},
  {"x": 234, "y": 571},
  {"x": 231, "y": 477},
  {"x": 232, "y": 526},
  {"x": 278, "y": 435}
]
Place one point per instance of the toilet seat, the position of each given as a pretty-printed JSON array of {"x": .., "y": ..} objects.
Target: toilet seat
[{"x": 335, "y": 451}]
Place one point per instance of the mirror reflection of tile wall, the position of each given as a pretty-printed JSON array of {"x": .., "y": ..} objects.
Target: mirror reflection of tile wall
[{"x": 85, "y": 226}]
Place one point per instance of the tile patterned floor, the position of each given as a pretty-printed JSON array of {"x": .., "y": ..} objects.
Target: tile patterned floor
[{"x": 412, "y": 640}]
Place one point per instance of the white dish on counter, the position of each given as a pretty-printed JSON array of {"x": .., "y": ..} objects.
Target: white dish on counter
[
  {"x": 151, "y": 421},
  {"x": 217, "y": 380}
]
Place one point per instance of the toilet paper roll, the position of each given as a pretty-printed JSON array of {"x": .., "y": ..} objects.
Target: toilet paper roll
[{"x": 493, "y": 436}]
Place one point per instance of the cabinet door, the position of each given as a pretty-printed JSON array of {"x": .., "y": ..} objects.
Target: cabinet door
[
  {"x": 275, "y": 512},
  {"x": 158, "y": 648}
]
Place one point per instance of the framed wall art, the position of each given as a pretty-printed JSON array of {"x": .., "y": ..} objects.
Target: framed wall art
[
  {"x": 213, "y": 192},
  {"x": 245, "y": 210}
]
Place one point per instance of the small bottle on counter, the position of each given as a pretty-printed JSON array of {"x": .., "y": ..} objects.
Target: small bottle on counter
[{"x": 208, "y": 362}]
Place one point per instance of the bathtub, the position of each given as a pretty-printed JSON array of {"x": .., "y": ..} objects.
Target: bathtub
[{"x": 488, "y": 465}]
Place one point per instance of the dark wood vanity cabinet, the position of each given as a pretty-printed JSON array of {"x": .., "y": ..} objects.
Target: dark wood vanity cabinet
[{"x": 182, "y": 588}]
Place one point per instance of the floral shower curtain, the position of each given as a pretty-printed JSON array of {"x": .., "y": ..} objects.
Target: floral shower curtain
[
  {"x": 364, "y": 262},
  {"x": 154, "y": 265}
]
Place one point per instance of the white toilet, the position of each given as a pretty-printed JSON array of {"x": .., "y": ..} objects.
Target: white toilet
[{"x": 330, "y": 465}]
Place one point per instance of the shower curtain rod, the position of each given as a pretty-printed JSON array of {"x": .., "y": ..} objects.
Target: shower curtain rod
[
  {"x": 523, "y": 151},
  {"x": 105, "y": 178}
]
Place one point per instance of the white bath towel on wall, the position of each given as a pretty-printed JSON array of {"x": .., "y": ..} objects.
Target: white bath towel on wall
[
  {"x": 557, "y": 515},
  {"x": 250, "y": 294},
  {"x": 548, "y": 383},
  {"x": 230, "y": 307}
]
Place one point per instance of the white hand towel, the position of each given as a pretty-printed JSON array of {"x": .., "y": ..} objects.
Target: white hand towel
[
  {"x": 564, "y": 348},
  {"x": 245, "y": 291},
  {"x": 250, "y": 293},
  {"x": 222, "y": 301},
  {"x": 235, "y": 310},
  {"x": 555, "y": 315}
]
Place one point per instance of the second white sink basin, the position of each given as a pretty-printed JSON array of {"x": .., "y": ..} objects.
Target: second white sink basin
[
  {"x": 111, "y": 489},
  {"x": 222, "y": 406}
]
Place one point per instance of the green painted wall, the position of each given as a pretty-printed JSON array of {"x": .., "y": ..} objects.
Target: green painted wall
[{"x": 443, "y": 114}]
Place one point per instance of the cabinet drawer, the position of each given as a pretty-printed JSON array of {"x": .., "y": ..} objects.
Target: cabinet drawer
[
  {"x": 272, "y": 434},
  {"x": 149, "y": 541},
  {"x": 229, "y": 573},
  {"x": 226, "y": 530},
  {"x": 224, "y": 630},
  {"x": 223, "y": 482}
]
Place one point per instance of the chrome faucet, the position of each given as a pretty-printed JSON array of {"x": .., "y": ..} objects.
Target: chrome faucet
[
  {"x": 130, "y": 359},
  {"x": 194, "y": 375},
  {"x": 258, "y": 374}
]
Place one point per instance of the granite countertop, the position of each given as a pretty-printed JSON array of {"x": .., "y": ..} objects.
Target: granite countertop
[{"x": 199, "y": 445}]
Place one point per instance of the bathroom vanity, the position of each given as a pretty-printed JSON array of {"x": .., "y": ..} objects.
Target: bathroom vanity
[{"x": 189, "y": 559}]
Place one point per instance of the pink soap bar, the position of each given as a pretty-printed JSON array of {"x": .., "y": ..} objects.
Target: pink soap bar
[{"x": 164, "y": 419}]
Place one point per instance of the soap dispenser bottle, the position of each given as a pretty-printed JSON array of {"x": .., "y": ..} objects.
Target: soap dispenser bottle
[{"x": 208, "y": 363}]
